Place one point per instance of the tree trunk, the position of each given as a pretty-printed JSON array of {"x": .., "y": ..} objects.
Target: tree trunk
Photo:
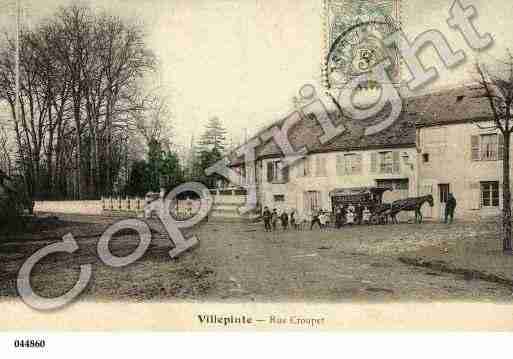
[
  {"x": 79, "y": 153},
  {"x": 506, "y": 196}
]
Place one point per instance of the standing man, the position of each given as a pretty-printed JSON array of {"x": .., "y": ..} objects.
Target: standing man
[
  {"x": 274, "y": 219},
  {"x": 338, "y": 217},
  {"x": 450, "y": 206},
  {"x": 293, "y": 219},
  {"x": 359, "y": 213},
  {"x": 267, "y": 219},
  {"x": 315, "y": 219},
  {"x": 284, "y": 220}
]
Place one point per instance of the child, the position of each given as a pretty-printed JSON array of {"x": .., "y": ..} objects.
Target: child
[
  {"x": 323, "y": 220},
  {"x": 366, "y": 215},
  {"x": 315, "y": 219},
  {"x": 350, "y": 216}
]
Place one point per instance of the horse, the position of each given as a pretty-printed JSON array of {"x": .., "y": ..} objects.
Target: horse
[{"x": 410, "y": 204}]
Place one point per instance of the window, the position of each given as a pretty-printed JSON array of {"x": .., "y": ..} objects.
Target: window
[
  {"x": 320, "y": 166},
  {"x": 279, "y": 198},
  {"x": 303, "y": 167},
  {"x": 277, "y": 173},
  {"x": 425, "y": 157},
  {"x": 386, "y": 162},
  {"x": 312, "y": 200},
  {"x": 349, "y": 163},
  {"x": 489, "y": 147},
  {"x": 490, "y": 194},
  {"x": 393, "y": 184},
  {"x": 443, "y": 191}
]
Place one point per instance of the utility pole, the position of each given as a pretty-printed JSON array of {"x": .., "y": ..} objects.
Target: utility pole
[{"x": 17, "y": 61}]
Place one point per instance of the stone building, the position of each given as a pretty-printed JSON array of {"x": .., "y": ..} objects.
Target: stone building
[
  {"x": 459, "y": 152},
  {"x": 442, "y": 142},
  {"x": 385, "y": 159}
]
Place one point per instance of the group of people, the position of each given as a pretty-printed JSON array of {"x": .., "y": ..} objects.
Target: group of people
[
  {"x": 344, "y": 215},
  {"x": 349, "y": 214},
  {"x": 271, "y": 219}
]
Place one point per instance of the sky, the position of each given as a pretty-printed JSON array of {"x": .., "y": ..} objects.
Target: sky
[{"x": 243, "y": 61}]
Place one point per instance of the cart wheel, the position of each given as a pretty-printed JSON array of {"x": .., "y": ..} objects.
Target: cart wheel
[{"x": 374, "y": 220}]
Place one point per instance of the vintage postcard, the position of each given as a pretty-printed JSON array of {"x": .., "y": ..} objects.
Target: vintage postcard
[{"x": 255, "y": 165}]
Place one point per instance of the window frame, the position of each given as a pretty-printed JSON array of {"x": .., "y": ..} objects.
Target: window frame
[
  {"x": 492, "y": 148},
  {"x": 354, "y": 165},
  {"x": 382, "y": 161},
  {"x": 276, "y": 196},
  {"x": 492, "y": 197}
]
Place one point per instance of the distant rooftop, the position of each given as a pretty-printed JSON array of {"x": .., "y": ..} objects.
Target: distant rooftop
[{"x": 443, "y": 107}]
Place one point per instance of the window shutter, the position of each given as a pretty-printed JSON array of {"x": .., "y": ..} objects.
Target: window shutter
[
  {"x": 474, "y": 143},
  {"x": 299, "y": 168},
  {"x": 270, "y": 175},
  {"x": 320, "y": 168},
  {"x": 285, "y": 174},
  {"x": 340, "y": 165},
  {"x": 257, "y": 172},
  {"x": 323, "y": 167},
  {"x": 475, "y": 190},
  {"x": 374, "y": 162},
  {"x": 358, "y": 159},
  {"x": 397, "y": 164},
  {"x": 500, "y": 149}
]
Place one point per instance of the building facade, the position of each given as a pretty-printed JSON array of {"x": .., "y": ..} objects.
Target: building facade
[
  {"x": 351, "y": 160},
  {"x": 442, "y": 142},
  {"x": 460, "y": 151},
  {"x": 307, "y": 184}
]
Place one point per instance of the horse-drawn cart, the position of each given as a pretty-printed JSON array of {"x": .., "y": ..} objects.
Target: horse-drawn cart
[{"x": 370, "y": 197}]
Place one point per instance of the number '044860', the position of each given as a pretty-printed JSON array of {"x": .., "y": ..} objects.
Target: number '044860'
[{"x": 29, "y": 343}]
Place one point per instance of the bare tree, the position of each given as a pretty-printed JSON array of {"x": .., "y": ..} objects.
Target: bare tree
[
  {"x": 80, "y": 72},
  {"x": 154, "y": 122},
  {"x": 495, "y": 83}
]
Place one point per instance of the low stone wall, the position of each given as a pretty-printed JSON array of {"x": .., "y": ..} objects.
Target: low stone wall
[
  {"x": 69, "y": 207},
  {"x": 226, "y": 203}
]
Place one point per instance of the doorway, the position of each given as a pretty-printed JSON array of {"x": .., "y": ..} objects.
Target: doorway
[{"x": 443, "y": 194}]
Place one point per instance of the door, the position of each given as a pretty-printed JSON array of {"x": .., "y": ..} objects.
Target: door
[{"x": 443, "y": 193}]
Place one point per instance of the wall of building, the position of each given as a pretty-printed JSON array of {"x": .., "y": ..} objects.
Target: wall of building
[
  {"x": 450, "y": 162},
  {"x": 293, "y": 191}
]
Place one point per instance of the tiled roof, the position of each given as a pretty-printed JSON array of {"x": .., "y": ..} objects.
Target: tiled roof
[
  {"x": 455, "y": 105},
  {"x": 443, "y": 107}
]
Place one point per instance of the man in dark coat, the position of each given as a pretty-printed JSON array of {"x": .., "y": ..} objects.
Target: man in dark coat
[
  {"x": 450, "y": 206},
  {"x": 266, "y": 215},
  {"x": 339, "y": 217},
  {"x": 284, "y": 220},
  {"x": 315, "y": 219}
]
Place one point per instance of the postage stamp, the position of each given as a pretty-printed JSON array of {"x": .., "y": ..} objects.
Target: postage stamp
[{"x": 354, "y": 33}]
